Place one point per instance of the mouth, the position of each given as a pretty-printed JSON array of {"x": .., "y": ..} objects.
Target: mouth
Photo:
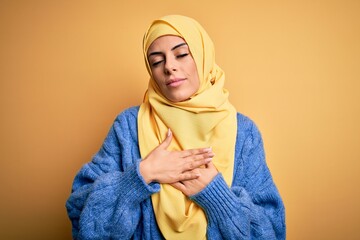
[{"x": 175, "y": 82}]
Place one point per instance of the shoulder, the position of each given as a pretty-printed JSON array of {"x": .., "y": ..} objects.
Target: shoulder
[
  {"x": 127, "y": 118},
  {"x": 125, "y": 124},
  {"x": 129, "y": 113},
  {"x": 247, "y": 131},
  {"x": 122, "y": 130},
  {"x": 245, "y": 124}
]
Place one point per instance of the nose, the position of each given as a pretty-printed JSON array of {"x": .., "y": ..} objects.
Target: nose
[{"x": 170, "y": 65}]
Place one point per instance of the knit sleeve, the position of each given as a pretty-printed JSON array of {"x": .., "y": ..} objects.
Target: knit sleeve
[
  {"x": 107, "y": 192},
  {"x": 252, "y": 208}
]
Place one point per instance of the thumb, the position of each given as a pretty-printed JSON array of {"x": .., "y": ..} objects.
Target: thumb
[{"x": 166, "y": 143}]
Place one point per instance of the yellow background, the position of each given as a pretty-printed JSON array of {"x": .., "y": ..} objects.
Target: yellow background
[{"x": 67, "y": 68}]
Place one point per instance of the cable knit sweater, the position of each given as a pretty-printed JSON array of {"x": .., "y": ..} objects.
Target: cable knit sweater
[{"x": 110, "y": 199}]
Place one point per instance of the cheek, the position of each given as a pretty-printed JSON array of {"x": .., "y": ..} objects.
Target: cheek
[
  {"x": 195, "y": 75},
  {"x": 156, "y": 76}
]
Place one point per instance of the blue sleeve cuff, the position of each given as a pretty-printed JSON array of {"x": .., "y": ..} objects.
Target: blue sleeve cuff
[
  {"x": 217, "y": 199},
  {"x": 130, "y": 184},
  {"x": 152, "y": 187}
]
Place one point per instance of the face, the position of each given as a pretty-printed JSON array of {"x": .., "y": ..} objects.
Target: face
[{"x": 173, "y": 68}]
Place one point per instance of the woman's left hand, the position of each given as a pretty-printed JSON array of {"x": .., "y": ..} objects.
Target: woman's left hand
[{"x": 191, "y": 187}]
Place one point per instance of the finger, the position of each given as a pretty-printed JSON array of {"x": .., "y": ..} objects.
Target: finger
[
  {"x": 189, "y": 175},
  {"x": 166, "y": 143},
  {"x": 179, "y": 186},
  {"x": 199, "y": 157},
  {"x": 196, "y": 151},
  {"x": 193, "y": 164}
]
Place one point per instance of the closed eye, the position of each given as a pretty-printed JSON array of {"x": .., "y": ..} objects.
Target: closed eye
[
  {"x": 182, "y": 55},
  {"x": 156, "y": 63}
]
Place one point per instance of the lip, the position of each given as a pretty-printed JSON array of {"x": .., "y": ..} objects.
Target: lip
[{"x": 174, "y": 82}]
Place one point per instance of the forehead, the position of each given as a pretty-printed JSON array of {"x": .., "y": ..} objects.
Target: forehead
[{"x": 165, "y": 43}]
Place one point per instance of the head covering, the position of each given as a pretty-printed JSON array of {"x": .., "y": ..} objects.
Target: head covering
[{"x": 206, "y": 119}]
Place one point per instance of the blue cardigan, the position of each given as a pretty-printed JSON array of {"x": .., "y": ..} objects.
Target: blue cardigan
[{"x": 110, "y": 199}]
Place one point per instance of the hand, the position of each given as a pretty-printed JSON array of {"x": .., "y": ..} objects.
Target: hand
[
  {"x": 194, "y": 186},
  {"x": 165, "y": 166}
]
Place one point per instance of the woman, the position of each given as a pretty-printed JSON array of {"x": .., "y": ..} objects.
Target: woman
[{"x": 183, "y": 165}]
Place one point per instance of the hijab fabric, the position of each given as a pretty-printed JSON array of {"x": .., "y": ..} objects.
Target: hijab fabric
[{"x": 206, "y": 119}]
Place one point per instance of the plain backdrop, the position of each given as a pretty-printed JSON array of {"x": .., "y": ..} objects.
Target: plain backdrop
[{"x": 67, "y": 68}]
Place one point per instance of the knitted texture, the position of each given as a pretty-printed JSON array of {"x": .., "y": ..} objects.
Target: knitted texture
[{"x": 111, "y": 200}]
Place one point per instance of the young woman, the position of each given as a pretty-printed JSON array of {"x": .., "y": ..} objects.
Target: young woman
[{"x": 184, "y": 164}]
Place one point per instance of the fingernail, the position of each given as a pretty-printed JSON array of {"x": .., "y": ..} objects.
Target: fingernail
[
  {"x": 169, "y": 132},
  {"x": 208, "y": 160},
  {"x": 209, "y": 149}
]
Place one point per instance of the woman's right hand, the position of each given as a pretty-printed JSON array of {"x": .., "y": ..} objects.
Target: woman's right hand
[{"x": 165, "y": 166}]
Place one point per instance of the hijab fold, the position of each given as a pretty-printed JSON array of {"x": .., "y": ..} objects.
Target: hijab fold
[{"x": 206, "y": 119}]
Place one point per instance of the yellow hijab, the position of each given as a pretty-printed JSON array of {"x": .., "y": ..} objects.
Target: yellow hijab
[{"x": 207, "y": 119}]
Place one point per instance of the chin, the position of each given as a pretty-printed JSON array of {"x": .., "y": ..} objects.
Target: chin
[{"x": 176, "y": 99}]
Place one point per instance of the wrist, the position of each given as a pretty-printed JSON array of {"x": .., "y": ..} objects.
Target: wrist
[{"x": 145, "y": 171}]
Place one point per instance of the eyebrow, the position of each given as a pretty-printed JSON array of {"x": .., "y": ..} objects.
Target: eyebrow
[{"x": 172, "y": 49}]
